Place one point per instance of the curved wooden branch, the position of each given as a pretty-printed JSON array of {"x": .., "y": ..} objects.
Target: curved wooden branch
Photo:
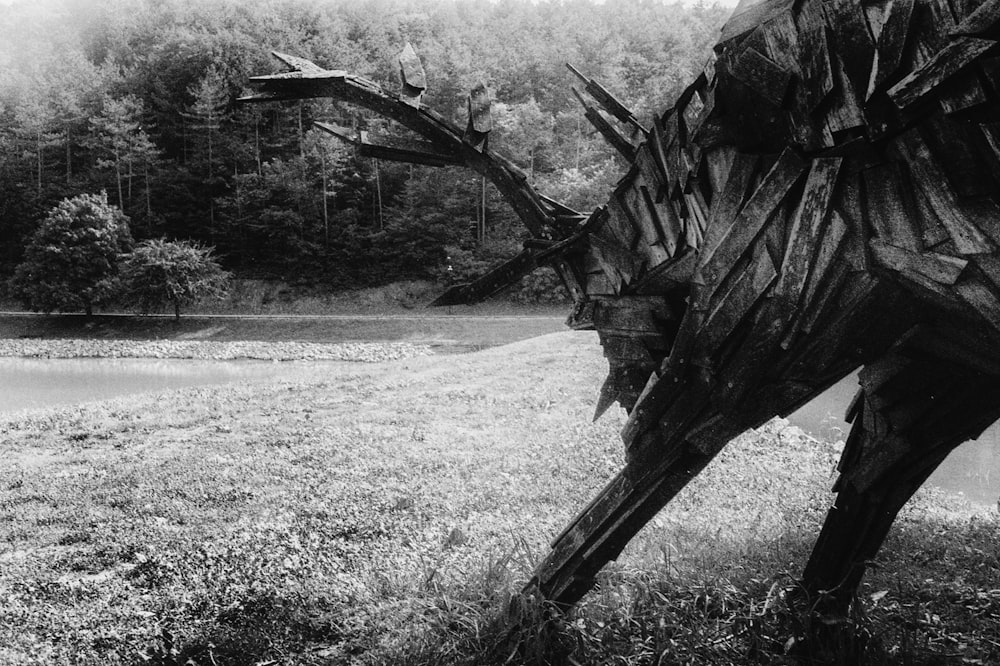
[{"x": 306, "y": 80}]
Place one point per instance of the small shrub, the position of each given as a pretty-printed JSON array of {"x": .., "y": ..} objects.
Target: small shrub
[{"x": 176, "y": 273}]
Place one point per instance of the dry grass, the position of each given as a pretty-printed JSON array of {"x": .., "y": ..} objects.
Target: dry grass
[{"x": 389, "y": 514}]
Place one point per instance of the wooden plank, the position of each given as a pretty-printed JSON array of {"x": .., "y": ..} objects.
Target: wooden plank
[
  {"x": 598, "y": 284},
  {"x": 608, "y": 101},
  {"x": 989, "y": 264},
  {"x": 735, "y": 305},
  {"x": 666, "y": 225},
  {"x": 855, "y": 48},
  {"x": 616, "y": 260},
  {"x": 989, "y": 145},
  {"x": 806, "y": 227},
  {"x": 762, "y": 75},
  {"x": 889, "y": 204},
  {"x": 982, "y": 299},
  {"x": 957, "y": 148},
  {"x": 621, "y": 223},
  {"x": 393, "y": 148},
  {"x": 669, "y": 275},
  {"x": 817, "y": 70},
  {"x": 962, "y": 92},
  {"x": 826, "y": 254},
  {"x": 889, "y": 50},
  {"x": 947, "y": 62},
  {"x": 741, "y": 170},
  {"x": 985, "y": 21},
  {"x": 642, "y": 216},
  {"x": 480, "y": 117},
  {"x": 615, "y": 139},
  {"x": 742, "y": 22},
  {"x": 696, "y": 222},
  {"x": 877, "y": 14},
  {"x": 940, "y": 268},
  {"x": 754, "y": 215},
  {"x": 625, "y": 348},
  {"x": 643, "y": 316},
  {"x": 844, "y": 112},
  {"x": 411, "y": 76},
  {"x": 652, "y": 173},
  {"x": 815, "y": 308},
  {"x": 826, "y": 251},
  {"x": 932, "y": 185}
]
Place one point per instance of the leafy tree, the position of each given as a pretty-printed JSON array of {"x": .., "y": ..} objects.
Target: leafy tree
[
  {"x": 71, "y": 262},
  {"x": 177, "y": 273}
]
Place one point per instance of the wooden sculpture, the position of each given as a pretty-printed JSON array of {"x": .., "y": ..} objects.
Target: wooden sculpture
[{"x": 823, "y": 197}]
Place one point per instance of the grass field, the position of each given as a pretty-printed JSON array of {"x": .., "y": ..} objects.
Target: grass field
[{"x": 389, "y": 514}]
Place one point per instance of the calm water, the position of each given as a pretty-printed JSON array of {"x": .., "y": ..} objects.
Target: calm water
[
  {"x": 973, "y": 468},
  {"x": 27, "y": 383}
]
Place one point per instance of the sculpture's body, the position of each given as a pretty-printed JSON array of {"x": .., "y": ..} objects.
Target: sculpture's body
[{"x": 825, "y": 196}]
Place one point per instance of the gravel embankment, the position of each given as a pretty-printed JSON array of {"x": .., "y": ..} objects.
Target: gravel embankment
[{"x": 365, "y": 352}]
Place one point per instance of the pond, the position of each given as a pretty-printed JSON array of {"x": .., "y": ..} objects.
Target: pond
[
  {"x": 972, "y": 469},
  {"x": 28, "y": 383}
]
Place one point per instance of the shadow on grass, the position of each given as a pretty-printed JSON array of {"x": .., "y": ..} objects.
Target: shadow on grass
[{"x": 930, "y": 599}]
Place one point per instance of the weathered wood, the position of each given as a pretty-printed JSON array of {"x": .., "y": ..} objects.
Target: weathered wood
[
  {"x": 616, "y": 139},
  {"x": 762, "y": 75},
  {"x": 413, "y": 151},
  {"x": 806, "y": 227},
  {"x": 749, "y": 19},
  {"x": 411, "y": 76},
  {"x": 889, "y": 52},
  {"x": 608, "y": 102},
  {"x": 891, "y": 210},
  {"x": 735, "y": 240},
  {"x": 669, "y": 275},
  {"x": 984, "y": 22},
  {"x": 940, "y": 268},
  {"x": 982, "y": 299},
  {"x": 946, "y": 63},
  {"x": 738, "y": 301},
  {"x": 855, "y": 48},
  {"x": 932, "y": 184}
]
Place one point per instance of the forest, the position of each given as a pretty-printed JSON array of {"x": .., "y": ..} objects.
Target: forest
[{"x": 137, "y": 98}]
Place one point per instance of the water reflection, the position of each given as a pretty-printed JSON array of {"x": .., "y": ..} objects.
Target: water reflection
[
  {"x": 972, "y": 469},
  {"x": 28, "y": 383}
]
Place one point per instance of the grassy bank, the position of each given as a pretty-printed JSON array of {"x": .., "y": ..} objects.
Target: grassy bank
[{"x": 387, "y": 514}]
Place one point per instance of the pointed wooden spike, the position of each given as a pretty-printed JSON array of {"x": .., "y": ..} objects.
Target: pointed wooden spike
[
  {"x": 608, "y": 102},
  {"x": 296, "y": 63},
  {"x": 616, "y": 139},
  {"x": 411, "y": 76},
  {"x": 411, "y": 71},
  {"x": 480, "y": 117},
  {"x": 609, "y": 393}
]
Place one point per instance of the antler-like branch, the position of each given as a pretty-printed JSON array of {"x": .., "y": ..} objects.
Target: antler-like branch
[{"x": 447, "y": 144}]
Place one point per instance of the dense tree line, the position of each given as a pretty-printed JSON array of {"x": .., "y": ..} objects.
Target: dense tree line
[{"x": 136, "y": 98}]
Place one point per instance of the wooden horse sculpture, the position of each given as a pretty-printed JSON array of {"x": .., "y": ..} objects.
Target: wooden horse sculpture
[{"x": 823, "y": 197}]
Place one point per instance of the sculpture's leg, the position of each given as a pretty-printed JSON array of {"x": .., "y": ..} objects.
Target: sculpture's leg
[
  {"x": 609, "y": 522},
  {"x": 658, "y": 468},
  {"x": 910, "y": 413}
]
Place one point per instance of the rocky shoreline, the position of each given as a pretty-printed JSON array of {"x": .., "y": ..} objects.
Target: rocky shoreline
[{"x": 362, "y": 352}]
